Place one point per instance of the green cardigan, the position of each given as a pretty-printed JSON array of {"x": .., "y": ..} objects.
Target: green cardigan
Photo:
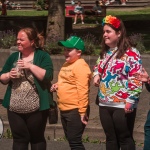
[{"x": 43, "y": 60}]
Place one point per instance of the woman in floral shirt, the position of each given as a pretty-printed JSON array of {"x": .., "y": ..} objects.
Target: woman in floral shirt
[{"x": 119, "y": 90}]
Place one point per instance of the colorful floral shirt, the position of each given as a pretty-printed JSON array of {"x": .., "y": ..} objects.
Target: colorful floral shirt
[{"x": 117, "y": 84}]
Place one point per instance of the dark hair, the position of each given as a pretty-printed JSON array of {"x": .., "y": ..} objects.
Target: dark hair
[
  {"x": 33, "y": 34},
  {"x": 97, "y": 3},
  {"x": 79, "y": 2},
  {"x": 123, "y": 42}
]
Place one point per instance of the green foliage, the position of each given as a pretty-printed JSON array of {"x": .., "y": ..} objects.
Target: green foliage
[
  {"x": 137, "y": 40},
  {"x": 8, "y": 134},
  {"x": 52, "y": 46},
  {"x": 85, "y": 139},
  {"x": 91, "y": 44},
  {"x": 7, "y": 39},
  {"x": 41, "y": 5}
]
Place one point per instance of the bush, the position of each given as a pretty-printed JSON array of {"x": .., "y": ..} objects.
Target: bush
[
  {"x": 41, "y": 5},
  {"x": 52, "y": 46},
  {"x": 91, "y": 44},
  {"x": 7, "y": 39},
  {"x": 137, "y": 40}
]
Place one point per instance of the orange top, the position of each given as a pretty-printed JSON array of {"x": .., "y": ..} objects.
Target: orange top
[{"x": 73, "y": 86}]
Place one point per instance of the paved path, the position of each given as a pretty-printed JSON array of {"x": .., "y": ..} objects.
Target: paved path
[
  {"x": 93, "y": 130},
  {"x": 6, "y": 144}
]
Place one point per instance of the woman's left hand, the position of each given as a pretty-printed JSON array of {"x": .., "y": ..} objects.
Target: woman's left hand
[
  {"x": 23, "y": 64},
  {"x": 128, "y": 108}
]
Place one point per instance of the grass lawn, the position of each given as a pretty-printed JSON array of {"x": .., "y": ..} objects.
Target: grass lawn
[{"x": 124, "y": 14}]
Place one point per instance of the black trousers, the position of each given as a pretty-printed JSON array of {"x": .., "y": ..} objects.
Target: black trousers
[
  {"x": 118, "y": 127},
  {"x": 73, "y": 128},
  {"x": 28, "y": 128}
]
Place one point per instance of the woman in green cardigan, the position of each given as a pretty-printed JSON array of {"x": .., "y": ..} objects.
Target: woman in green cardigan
[{"x": 28, "y": 74}]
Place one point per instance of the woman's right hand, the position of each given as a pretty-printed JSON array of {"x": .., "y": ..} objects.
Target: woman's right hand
[
  {"x": 96, "y": 80},
  {"x": 13, "y": 73},
  {"x": 54, "y": 87},
  {"x": 142, "y": 76}
]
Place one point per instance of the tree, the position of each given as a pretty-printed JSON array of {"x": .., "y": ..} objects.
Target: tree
[{"x": 56, "y": 19}]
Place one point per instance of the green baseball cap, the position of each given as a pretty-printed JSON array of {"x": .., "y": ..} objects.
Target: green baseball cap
[{"x": 73, "y": 42}]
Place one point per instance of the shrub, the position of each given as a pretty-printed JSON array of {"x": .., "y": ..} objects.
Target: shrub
[
  {"x": 91, "y": 44},
  {"x": 41, "y": 5},
  {"x": 7, "y": 39},
  {"x": 51, "y": 45},
  {"x": 137, "y": 40}
]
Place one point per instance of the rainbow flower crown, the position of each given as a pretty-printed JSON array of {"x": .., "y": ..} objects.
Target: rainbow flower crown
[{"x": 114, "y": 21}]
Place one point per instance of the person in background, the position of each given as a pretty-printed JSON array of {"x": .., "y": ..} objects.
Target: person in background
[
  {"x": 13, "y": 5},
  {"x": 18, "y": 6},
  {"x": 119, "y": 90},
  {"x": 106, "y": 2},
  {"x": 28, "y": 73},
  {"x": 97, "y": 10},
  {"x": 79, "y": 10},
  {"x": 73, "y": 91},
  {"x": 112, "y": 1},
  {"x": 144, "y": 77},
  {"x": 73, "y": 2},
  {"x": 0, "y": 5},
  {"x": 4, "y": 8},
  {"x": 123, "y": 2}
]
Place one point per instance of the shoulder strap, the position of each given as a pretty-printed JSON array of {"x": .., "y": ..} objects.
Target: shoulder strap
[{"x": 107, "y": 62}]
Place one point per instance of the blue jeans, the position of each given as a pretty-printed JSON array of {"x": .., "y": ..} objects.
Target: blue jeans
[
  {"x": 147, "y": 133},
  {"x": 73, "y": 128}
]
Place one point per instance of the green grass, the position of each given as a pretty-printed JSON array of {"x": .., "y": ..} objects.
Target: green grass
[
  {"x": 27, "y": 13},
  {"x": 129, "y": 14},
  {"x": 143, "y": 14}
]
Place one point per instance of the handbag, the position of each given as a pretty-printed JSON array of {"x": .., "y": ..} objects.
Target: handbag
[
  {"x": 53, "y": 113},
  {"x": 97, "y": 97}
]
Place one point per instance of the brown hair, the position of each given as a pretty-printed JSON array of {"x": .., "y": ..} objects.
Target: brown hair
[
  {"x": 33, "y": 34},
  {"x": 123, "y": 43}
]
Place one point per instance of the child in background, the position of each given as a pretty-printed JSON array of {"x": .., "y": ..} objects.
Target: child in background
[
  {"x": 18, "y": 6},
  {"x": 79, "y": 10},
  {"x": 73, "y": 91}
]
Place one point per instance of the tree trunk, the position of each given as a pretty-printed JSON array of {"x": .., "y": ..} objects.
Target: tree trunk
[{"x": 56, "y": 20}]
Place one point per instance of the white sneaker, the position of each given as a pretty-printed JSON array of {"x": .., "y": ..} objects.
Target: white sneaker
[
  {"x": 82, "y": 22},
  {"x": 74, "y": 23},
  {"x": 96, "y": 22},
  {"x": 112, "y": 1},
  {"x": 123, "y": 4},
  {"x": 107, "y": 3}
]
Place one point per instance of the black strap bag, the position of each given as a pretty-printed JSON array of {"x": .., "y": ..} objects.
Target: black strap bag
[{"x": 53, "y": 113}]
